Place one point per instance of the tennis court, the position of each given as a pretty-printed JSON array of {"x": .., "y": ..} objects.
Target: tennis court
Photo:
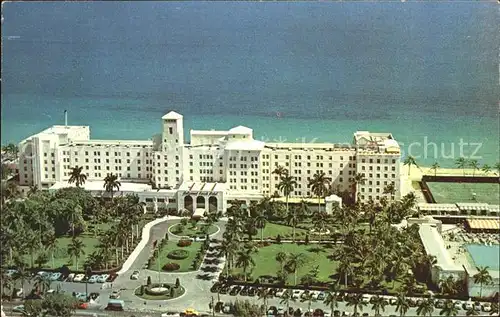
[{"x": 464, "y": 192}]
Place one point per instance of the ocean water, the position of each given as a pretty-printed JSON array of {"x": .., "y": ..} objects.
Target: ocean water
[{"x": 307, "y": 71}]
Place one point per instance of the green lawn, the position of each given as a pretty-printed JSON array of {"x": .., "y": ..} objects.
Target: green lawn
[
  {"x": 462, "y": 192},
  {"x": 61, "y": 254},
  {"x": 272, "y": 230},
  {"x": 191, "y": 231},
  {"x": 266, "y": 264},
  {"x": 185, "y": 264}
]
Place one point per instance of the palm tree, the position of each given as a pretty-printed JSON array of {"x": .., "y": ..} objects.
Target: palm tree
[
  {"x": 76, "y": 250},
  {"x": 287, "y": 185},
  {"x": 486, "y": 169},
  {"x": 358, "y": 179},
  {"x": 425, "y": 308},
  {"x": 449, "y": 309},
  {"x": 295, "y": 261},
  {"x": 319, "y": 185},
  {"x": 379, "y": 303},
  {"x": 42, "y": 283},
  {"x": 390, "y": 189},
  {"x": 461, "y": 162},
  {"x": 264, "y": 295},
  {"x": 280, "y": 171},
  {"x": 293, "y": 219},
  {"x": 497, "y": 168},
  {"x": 331, "y": 299},
  {"x": 307, "y": 297},
  {"x": 410, "y": 160},
  {"x": 77, "y": 177},
  {"x": 51, "y": 245},
  {"x": 402, "y": 304},
  {"x": 110, "y": 183},
  {"x": 482, "y": 277},
  {"x": 286, "y": 298},
  {"x": 281, "y": 258},
  {"x": 434, "y": 167},
  {"x": 356, "y": 301},
  {"x": 245, "y": 260},
  {"x": 474, "y": 164},
  {"x": 260, "y": 222},
  {"x": 320, "y": 221}
]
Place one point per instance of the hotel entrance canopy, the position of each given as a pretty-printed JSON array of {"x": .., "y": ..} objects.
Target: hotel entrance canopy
[{"x": 199, "y": 188}]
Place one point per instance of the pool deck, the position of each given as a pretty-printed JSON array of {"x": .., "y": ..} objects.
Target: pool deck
[{"x": 461, "y": 256}]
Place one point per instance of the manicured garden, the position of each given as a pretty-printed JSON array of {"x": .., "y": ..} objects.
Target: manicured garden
[
  {"x": 193, "y": 229},
  {"x": 162, "y": 291},
  {"x": 177, "y": 256}
]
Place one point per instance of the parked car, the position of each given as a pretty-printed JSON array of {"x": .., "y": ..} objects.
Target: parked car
[
  {"x": 55, "y": 276},
  {"x": 281, "y": 311},
  {"x": 10, "y": 272},
  {"x": 280, "y": 292},
  {"x": 18, "y": 309},
  {"x": 321, "y": 296},
  {"x": 477, "y": 306},
  {"x": 296, "y": 294},
  {"x": 102, "y": 278},
  {"x": 235, "y": 290},
  {"x": 244, "y": 291},
  {"x": 272, "y": 310},
  {"x": 224, "y": 290},
  {"x": 393, "y": 301},
  {"x": 458, "y": 304},
  {"x": 216, "y": 287},
  {"x": 70, "y": 277},
  {"x": 252, "y": 291},
  {"x": 468, "y": 305},
  {"x": 135, "y": 275},
  {"x": 486, "y": 307},
  {"x": 439, "y": 303},
  {"x": 115, "y": 295},
  {"x": 42, "y": 273},
  {"x": 93, "y": 279},
  {"x": 227, "y": 309},
  {"x": 366, "y": 299},
  {"x": 79, "y": 278}
]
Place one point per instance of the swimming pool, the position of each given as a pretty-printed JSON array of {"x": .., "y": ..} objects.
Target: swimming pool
[{"x": 483, "y": 255}]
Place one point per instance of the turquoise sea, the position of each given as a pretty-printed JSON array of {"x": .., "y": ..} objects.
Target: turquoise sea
[{"x": 306, "y": 71}]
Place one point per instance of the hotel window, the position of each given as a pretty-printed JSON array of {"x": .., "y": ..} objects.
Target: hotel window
[
  {"x": 52, "y": 154},
  {"x": 170, "y": 130},
  {"x": 107, "y": 153},
  {"x": 86, "y": 160},
  {"x": 393, "y": 175},
  {"x": 53, "y": 162}
]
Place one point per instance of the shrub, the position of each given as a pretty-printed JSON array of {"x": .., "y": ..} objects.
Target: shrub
[
  {"x": 169, "y": 267},
  {"x": 149, "y": 281},
  {"x": 184, "y": 243},
  {"x": 178, "y": 254},
  {"x": 278, "y": 239},
  {"x": 172, "y": 292},
  {"x": 306, "y": 240},
  {"x": 177, "y": 283}
]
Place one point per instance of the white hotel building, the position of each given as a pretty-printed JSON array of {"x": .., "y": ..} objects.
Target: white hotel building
[{"x": 214, "y": 168}]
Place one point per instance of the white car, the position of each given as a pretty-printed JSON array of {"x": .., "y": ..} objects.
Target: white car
[
  {"x": 468, "y": 305},
  {"x": 281, "y": 311},
  {"x": 477, "y": 306},
  {"x": 93, "y": 279},
  {"x": 102, "y": 278},
  {"x": 135, "y": 275},
  {"x": 393, "y": 301},
  {"x": 79, "y": 278},
  {"x": 486, "y": 307},
  {"x": 366, "y": 299},
  {"x": 11, "y": 272},
  {"x": 42, "y": 273},
  {"x": 199, "y": 239},
  {"x": 458, "y": 304},
  {"x": 280, "y": 292},
  {"x": 70, "y": 277},
  {"x": 296, "y": 294},
  {"x": 55, "y": 276}
]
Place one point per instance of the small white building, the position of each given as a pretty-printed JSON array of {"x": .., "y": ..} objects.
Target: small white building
[{"x": 215, "y": 165}]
